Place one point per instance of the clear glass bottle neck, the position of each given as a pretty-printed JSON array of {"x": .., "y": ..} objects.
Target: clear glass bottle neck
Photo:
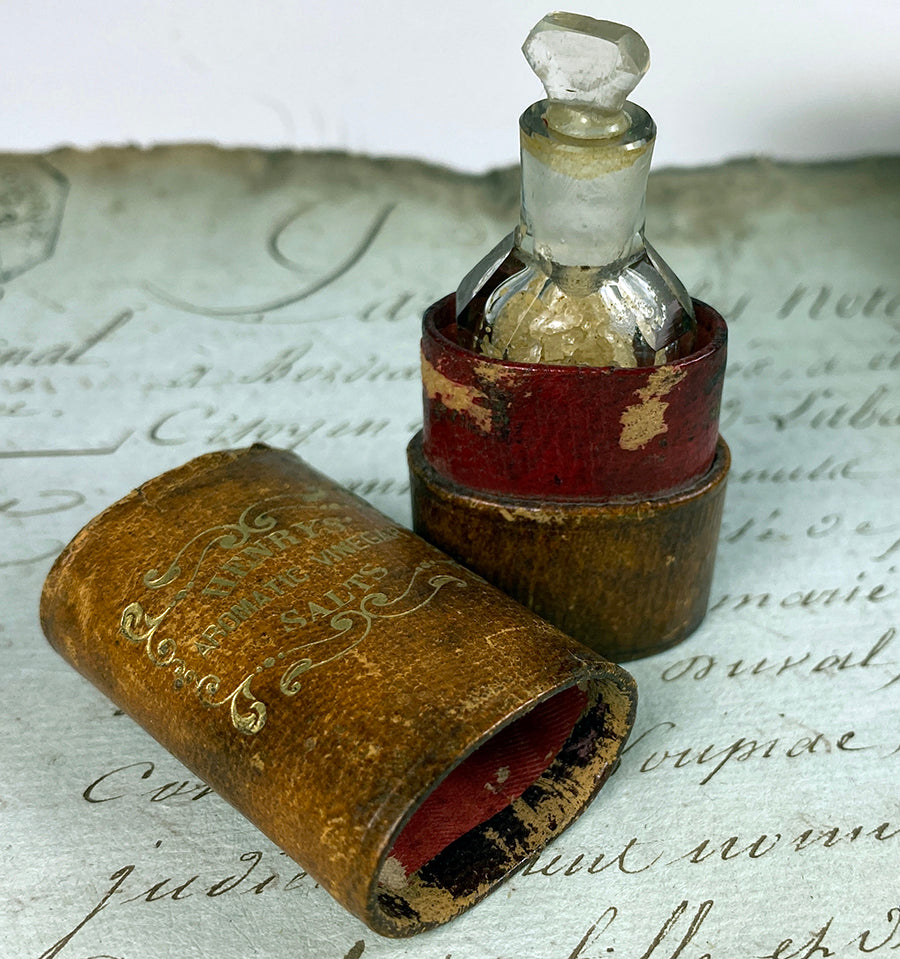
[{"x": 583, "y": 199}]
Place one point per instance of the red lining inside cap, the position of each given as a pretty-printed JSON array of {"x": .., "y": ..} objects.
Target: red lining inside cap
[{"x": 496, "y": 774}]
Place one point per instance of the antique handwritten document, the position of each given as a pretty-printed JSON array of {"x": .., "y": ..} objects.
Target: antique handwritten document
[{"x": 158, "y": 305}]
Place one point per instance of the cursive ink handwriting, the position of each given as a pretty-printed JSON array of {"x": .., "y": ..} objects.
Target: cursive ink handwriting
[
  {"x": 60, "y": 354},
  {"x": 257, "y": 309},
  {"x": 810, "y": 600},
  {"x": 717, "y": 757},
  {"x": 702, "y": 666}
]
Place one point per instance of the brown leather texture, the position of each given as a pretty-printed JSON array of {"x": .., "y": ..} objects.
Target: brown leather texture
[
  {"x": 325, "y": 669},
  {"x": 628, "y": 576}
]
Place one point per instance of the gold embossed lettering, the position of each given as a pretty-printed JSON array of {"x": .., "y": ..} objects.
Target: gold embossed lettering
[
  {"x": 317, "y": 612},
  {"x": 218, "y": 586},
  {"x": 209, "y": 642},
  {"x": 291, "y": 619},
  {"x": 256, "y": 553},
  {"x": 341, "y": 613},
  {"x": 295, "y": 575},
  {"x": 282, "y": 538},
  {"x": 243, "y": 610},
  {"x": 234, "y": 567}
]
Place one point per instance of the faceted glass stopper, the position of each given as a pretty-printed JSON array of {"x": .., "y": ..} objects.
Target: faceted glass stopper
[
  {"x": 588, "y": 67},
  {"x": 577, "y": 284}
]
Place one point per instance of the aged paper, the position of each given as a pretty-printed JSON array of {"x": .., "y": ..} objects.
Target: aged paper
[{"x": 157, "y": 305}]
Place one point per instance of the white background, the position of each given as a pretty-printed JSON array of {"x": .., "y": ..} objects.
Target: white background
[{"x": 440, "y": 79}]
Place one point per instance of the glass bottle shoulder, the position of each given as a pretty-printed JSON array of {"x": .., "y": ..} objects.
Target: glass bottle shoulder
[{"x": 640, "y": 316}]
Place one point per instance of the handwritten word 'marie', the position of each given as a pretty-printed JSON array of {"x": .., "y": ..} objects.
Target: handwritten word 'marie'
[{"x": 807, "y": 599}]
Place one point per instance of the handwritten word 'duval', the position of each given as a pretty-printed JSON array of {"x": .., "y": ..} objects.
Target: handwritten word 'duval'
[{"x": 702, "y": 666}]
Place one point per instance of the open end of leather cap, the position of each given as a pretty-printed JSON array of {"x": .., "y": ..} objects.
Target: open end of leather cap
[{"x": 499, "y": 806}]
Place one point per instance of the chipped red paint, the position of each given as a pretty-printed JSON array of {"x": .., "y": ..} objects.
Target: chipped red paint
[{"x": 570, "y": 432}]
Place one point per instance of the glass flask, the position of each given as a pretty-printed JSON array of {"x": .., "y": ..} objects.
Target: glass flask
[{"x": 576, "y": 283}]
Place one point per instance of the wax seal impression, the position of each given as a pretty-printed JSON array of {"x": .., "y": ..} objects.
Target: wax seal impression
[{"x": 32, "y": 200}]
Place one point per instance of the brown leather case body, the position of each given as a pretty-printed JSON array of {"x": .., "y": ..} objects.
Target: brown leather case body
[{"x": 402, "y": 729}]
